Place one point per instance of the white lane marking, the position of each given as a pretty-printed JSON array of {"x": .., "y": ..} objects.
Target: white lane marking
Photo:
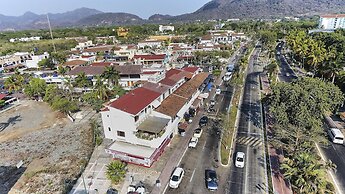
[
  {"x": 203, "y": 147},
  {"x": 191, "y": 178},
  {"x": 329, "y": 171},
  {"x": 182, "y": 156}
]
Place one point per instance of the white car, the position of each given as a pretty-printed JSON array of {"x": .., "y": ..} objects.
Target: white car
[
  {"x": 193, "y": 142},
  {"x": 176, "y": 178},
  {"x": 212, "y": 102},
  {"x": 218, "y": 91},
  {"x": 197, "y": 132},
  {"x": 239, "y": 161}
]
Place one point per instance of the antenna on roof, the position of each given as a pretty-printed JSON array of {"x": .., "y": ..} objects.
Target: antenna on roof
[{"x": 51, "y": 33}]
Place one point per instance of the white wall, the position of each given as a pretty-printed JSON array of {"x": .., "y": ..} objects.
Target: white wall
[{"x": 118, "y": 120}]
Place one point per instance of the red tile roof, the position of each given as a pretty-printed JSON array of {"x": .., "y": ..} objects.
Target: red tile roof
[
  {"x": 135, "y": 101},
  {"x": 160, "y": 88},
  {"x": 172, "y": 72},
  {"x": 2, "y": 96},
  {"x": 88, "y": 70},
  {"x": 103, "y": 64},
  {"x": 333, "y": 16},
  {"x": 168, "y": 82},
  {"x": 75, "y": 63},
  {"x": 150, "y": 57},
  {"x": 192, "y": 69}
]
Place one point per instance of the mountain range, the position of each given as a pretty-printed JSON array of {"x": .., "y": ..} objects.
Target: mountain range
[{"x": 215, "y": 9}]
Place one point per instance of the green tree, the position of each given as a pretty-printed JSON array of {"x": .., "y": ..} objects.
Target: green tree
[
  {"x": 2, "y": 103},
  {"x": 15, "y": 82},
  {"x": 101, "y": 89},
  {"x": 46, "y": 64},
  {"x": 82, "y": 81},
  {"x": 112, "y": 75},
  {"x": 306, "y": 174},
  {"x": 64, "y": 105},
  {"x": 116, "y": 171},
  {"x": 35, "y": 88},
  {"x": 51, "y": 92},
  {"x": 62, "y": 70}
]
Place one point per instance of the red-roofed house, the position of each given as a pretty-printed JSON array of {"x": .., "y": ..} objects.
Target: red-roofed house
[
  {"x": 150, "y": 59},
  {"x": 192, "y": 69},
  {"x": 142, "y": 122}
]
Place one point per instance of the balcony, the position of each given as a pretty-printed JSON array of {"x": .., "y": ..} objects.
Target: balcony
[{"x": 152, "y": 128}]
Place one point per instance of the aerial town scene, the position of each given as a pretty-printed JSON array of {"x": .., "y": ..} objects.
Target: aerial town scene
[{"x": 172, "y": 97}]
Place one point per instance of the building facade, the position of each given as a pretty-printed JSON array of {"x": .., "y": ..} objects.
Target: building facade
[{"x": 332, "y": 22}]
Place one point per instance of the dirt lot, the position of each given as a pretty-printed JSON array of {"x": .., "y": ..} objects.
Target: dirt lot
[{"x": 51, "y": 147}]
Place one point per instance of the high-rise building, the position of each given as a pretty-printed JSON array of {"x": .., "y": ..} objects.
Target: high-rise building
[{"x": 332, "y": 21}]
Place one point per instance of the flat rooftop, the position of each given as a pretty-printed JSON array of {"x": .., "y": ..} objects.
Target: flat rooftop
[{"x": 153, "y": 124}]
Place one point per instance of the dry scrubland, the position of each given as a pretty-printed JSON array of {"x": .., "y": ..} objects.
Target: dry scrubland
[{"x": 53, "y": 149}]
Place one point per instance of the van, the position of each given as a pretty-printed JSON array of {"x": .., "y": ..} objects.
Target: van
[{"x": 336, "y": 136}]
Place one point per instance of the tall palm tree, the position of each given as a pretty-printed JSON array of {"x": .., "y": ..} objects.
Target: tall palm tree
[
  {"x": 101, "y": 89},
  {"x": 62, "y": 70},
  {"x": 112, "y": 75},
  {"x": 317, "y": 54},
  {"x": 15, "y": 82}
]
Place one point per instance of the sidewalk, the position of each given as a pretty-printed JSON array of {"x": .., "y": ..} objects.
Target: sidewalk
[{"x": 280, "y": 185}]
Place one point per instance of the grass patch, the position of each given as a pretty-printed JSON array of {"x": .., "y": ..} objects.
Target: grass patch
[
  {"x": 230, "y": 119},
  {"x": 229, "y": 129}
]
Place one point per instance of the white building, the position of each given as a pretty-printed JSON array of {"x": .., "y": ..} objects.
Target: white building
[
  {"x": 35, "y": 59},
  {"x": 166, "y": 28},
  {"x": 333, "y": 21},
  {"x": 143, "y": 122},
  {"x": 151, "y": 43}
]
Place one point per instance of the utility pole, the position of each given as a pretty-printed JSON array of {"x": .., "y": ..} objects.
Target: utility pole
[{"x": 51, "y": 33}]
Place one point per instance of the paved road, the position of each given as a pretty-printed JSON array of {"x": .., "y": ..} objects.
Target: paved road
[
  {"x": 205, "y": 155},
  {"x": 286, "y": 73},
  {"x": 333, "y": 152},
  {"x": 253, "y": 177}
]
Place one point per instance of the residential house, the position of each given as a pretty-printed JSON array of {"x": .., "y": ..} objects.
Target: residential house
[
  {"x": 150, "y": 43},
  {"x": 143, "y": 122},
  {"x": 166, "y": 28},
  {"x": 150, "y": 59},
  {"x": 35, "y": 59}
]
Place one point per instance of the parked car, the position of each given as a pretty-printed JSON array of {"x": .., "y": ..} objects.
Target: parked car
[
  {"x": 197, "y": 132},
  {"x": 218, "y": 91},
  {"x": 203, "y": 121},
  {"x": 239, "y": 161},
  {"x": 193, "y": 142},
  {"x": 212, "y": 102},
  {"x": 211, "y": 180},
  {"x": 176, "y": 178}
]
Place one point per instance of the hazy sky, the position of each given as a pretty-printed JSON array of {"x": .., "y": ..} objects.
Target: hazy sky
[{"x": 142, "y": 8}]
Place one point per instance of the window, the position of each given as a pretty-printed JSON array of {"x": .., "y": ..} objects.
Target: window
[
  {"x": 107, "y": 115},
  {"x": 109, "y": 128},
  {"x": 121, "y": 133},
  {"x": 136, "y": 118}
]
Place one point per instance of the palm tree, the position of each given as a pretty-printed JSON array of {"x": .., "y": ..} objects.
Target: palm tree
[
  {"x": 112, "y": 75},
  {"x": 101, "y": 89},
  {"x": 116, "y": 171},
  {"x": 14, "y": 82},
  {"x": 306, "y": 173},
  {"x": 317, "y": 54},
  {"x": 62, "y": 70},
  {"x": 82, "y": 81}
]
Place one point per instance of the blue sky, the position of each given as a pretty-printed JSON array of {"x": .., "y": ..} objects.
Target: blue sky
[{"x": 142, "y": 8}]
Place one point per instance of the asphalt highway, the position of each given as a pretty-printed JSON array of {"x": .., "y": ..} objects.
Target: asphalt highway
[{"x": 250, "y": 138}]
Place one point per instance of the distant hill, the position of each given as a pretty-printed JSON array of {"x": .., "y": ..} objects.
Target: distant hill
[
  {"x": 215, "y": 9},
  {"x": 31, "y": 20},
  {"x": 224, "y": 9},
  {"x": 103, "y": 19}
]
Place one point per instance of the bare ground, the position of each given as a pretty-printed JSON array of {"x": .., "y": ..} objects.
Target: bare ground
[{"x": 52, "y": 148}]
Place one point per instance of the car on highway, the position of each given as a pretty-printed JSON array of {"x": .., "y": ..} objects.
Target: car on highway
[
  {"x": 197, "y": 132},
  {"x": 212, "y": 102},
  {"x": 193, "y": 142},
  {"x": 211, "y": 180},
  {"x": 227, "y": 76},
  {"x": 239, "y": 161},
  {"x": 218, "y": 91},
  {"x": 176, "y": 178},
  {"x": 203, "y": 121}
]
